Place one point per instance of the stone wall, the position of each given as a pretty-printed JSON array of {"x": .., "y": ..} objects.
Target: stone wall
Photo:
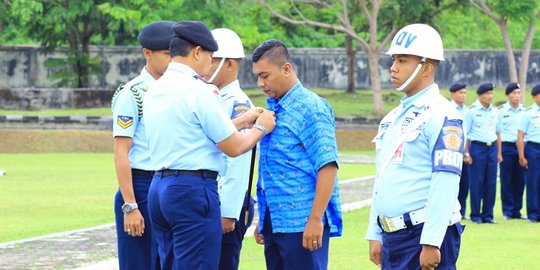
[{"x": 23, "y": 73}]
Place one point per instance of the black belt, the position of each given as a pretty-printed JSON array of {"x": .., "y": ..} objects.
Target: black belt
[
  {"x": 509, "y": 143},
  {"x": 143, "y": 173},
  {"x": 533, "y": 143},
  {"x": 200, "y": 173},
  {"x": 488, "y": 144}
]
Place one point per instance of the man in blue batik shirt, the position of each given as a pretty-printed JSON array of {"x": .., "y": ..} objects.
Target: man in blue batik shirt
[
  {"x": 414, "y": 218},
  {"x": 297, "y": 192}
]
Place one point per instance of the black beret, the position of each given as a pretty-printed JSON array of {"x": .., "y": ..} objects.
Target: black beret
[
  {"x": 457, "y": 86},
  {"x": 196, "y": 33},
  {"x": 511, "y": 87},
  {"x": 156, "y": 36},
  {"x": 484, "y": 88},
  {"x": 536, "y": 90}
]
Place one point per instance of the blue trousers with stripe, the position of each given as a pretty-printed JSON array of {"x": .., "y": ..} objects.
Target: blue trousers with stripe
[
  {"x": 401, "y": 249},
  {"x": 483, "y": 181},
  {"x": 136, "y": 252},
  {"x": 532, "y": 153},
  {"x": 186, "y": 221},
  {"x": 512, "y": 181}
]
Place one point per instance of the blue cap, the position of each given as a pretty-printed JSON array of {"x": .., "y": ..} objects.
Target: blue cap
[
  {"x": 536, "y": 90},
  {"x": 457, "y": 86},
  {"x": 156, "y": 36},
  {"x": 484, "y": 88},
  {"x": 511, "y": 87},
  {"x": 196, "y": 33}
]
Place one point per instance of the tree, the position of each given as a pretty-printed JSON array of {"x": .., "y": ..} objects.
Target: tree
[
  {"x": 372, "y": 26},
  {"x": 501, "y": 12}
]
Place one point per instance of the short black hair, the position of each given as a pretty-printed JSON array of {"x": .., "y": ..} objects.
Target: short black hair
[
  {"x": 273, "y": 49},
  {"x": 180, "y": 46}
]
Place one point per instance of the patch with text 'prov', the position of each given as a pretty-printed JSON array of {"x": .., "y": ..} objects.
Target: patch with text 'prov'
[
  {"x": 448, "y": 151},
  {"x": 124, "y": 121}
]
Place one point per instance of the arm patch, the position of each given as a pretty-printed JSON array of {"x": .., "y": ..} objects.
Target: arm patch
[
  {"x": 447, "y": 153},
  {"x": 239, "y": 108}
]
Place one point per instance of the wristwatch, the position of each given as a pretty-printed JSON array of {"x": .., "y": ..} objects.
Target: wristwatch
[
  {"x": 261, "y": 128},
  {"x": 467, "y": 154},
  {"x": 128, "y": 207}
]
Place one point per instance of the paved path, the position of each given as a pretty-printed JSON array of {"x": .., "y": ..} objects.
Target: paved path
[{"x": 95, "y": 248}]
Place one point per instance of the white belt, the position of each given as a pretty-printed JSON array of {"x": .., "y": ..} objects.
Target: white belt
[{"x": 394, "y": 224}]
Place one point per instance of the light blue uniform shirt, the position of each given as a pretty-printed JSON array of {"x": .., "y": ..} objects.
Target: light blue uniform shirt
[
  {"x": 530, "y": 123},
  {"x": 303, "y": 141},
  {"x": 234, "y": 174},
  {"x": 484, "y": 123},
  {"x": 419, "y": 175},
  {"x": 509, "y": 119},
  {"x": 185, "y": 119},
  {"x": 126, "y": 123},
  {"x": 462, "y": 112}
]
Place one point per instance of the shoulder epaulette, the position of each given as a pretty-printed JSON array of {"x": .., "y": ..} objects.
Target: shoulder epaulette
[
  {"x": 472, "y": 106},
  {"x": 500, "y": 106},
  {"x": 528, "y": 108}
]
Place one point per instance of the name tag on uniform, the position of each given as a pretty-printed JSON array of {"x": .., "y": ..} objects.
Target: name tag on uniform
[{"x": 398, "y": 156}]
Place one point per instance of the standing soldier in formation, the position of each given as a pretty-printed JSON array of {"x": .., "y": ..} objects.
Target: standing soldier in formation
[
  {"x": 529, "y": 154},
  {"x": 458, "y": 92},
  {"x": 234, "y": 173},
  {"x": 136, "y": 245},
  {"x": 414, "y": 222},
  {"x": 511, "y": 173},
  {"x": 187, "y": 130},
  {"x": 485, "y": 153}
]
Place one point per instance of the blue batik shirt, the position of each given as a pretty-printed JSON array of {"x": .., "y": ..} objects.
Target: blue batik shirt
[{"x": 302, "y": 142}]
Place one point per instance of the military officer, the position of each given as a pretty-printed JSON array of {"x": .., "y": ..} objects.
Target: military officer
[
  {"x": 414, "y": 218},
  {"x": 512, "y": 175},
  {"x": 485, "y": 152},
  {"x": 528, "y": 144},
  {"x": 234, "y": 173},
  {"x": 136, "y": 246},
  {"x": 458, "y": 92},
  {"x": 187, "y": 129}
]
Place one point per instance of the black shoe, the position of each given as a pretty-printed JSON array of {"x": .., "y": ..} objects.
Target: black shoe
[
  {"x": 476, "y": 222},
  {"x": 491, "y": 221},
  {"x": 465, "y": 218},
  {"x": 520, "y": 217},
  {"x": 507, "y": 217},
  {"x": 533, "y": 221}
]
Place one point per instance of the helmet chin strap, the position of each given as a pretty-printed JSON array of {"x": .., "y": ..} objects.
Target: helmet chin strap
[
  {"x": 409, "y": 80},
  {"x": 217, "y": 70}
]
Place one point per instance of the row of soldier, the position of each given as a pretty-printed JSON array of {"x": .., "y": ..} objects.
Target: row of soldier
[{"x": 508, "y": 138}]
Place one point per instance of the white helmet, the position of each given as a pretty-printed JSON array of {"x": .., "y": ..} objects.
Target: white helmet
[
  {"x": 229, "y": 44},
  {"x": 418, "y": 39}
]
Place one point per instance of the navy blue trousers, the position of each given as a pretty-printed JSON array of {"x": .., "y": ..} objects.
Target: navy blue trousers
[
  {"x": 483, "y": 181},
  {"x": 186, "y": 221},
  {"x": 512, "y": 181},
  {"x": 136, "y": 252},
  {"x": 232, "y": 241},
  {"x": 284, "y": 251},
  {"x": 464, "y": 188},
  {"x": 401, "y": 249},
  {"x": 532, "y": 153}
]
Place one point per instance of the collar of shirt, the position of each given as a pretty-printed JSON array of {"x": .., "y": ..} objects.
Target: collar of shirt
[
  {"x": 463, "y": 106},
  {"x": 421, "y": 98},
  {"x": 182, "y": 68},
  {"x": 146, "y": 76},
  {"x": 478, "y": 106},
  {"x": 506, "y": 106},
  {"x": 228, "y": 88},
  {"x": 287, "y": 100}
]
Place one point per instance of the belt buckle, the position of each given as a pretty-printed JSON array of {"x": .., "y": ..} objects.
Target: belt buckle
[
  {"x": 488, "y": 143},
  {"x": 387, "y": 224}
]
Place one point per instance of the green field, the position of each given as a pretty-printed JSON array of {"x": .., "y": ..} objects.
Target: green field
[{"x": 358, "y": 103}]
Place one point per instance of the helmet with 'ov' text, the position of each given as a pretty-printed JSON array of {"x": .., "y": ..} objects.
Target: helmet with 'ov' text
[
  {"x": 229, "y": 43},
  {"x": 418, "y": 39}
]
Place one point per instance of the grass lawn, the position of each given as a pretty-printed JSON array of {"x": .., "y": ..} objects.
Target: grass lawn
[{"x": 358, "y": 103}]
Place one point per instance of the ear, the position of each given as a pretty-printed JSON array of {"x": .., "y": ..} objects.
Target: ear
[
  {"x": 146, "y": 52},
  {"x": 229, "y": 64},
  {"x": 427, "y": 69},
  {"x": 196, "y": 51},
  {"x": 287, "y": 69}
]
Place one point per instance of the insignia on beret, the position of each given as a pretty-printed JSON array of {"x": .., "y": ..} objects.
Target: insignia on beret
[{"x": 124, "y": 121}]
